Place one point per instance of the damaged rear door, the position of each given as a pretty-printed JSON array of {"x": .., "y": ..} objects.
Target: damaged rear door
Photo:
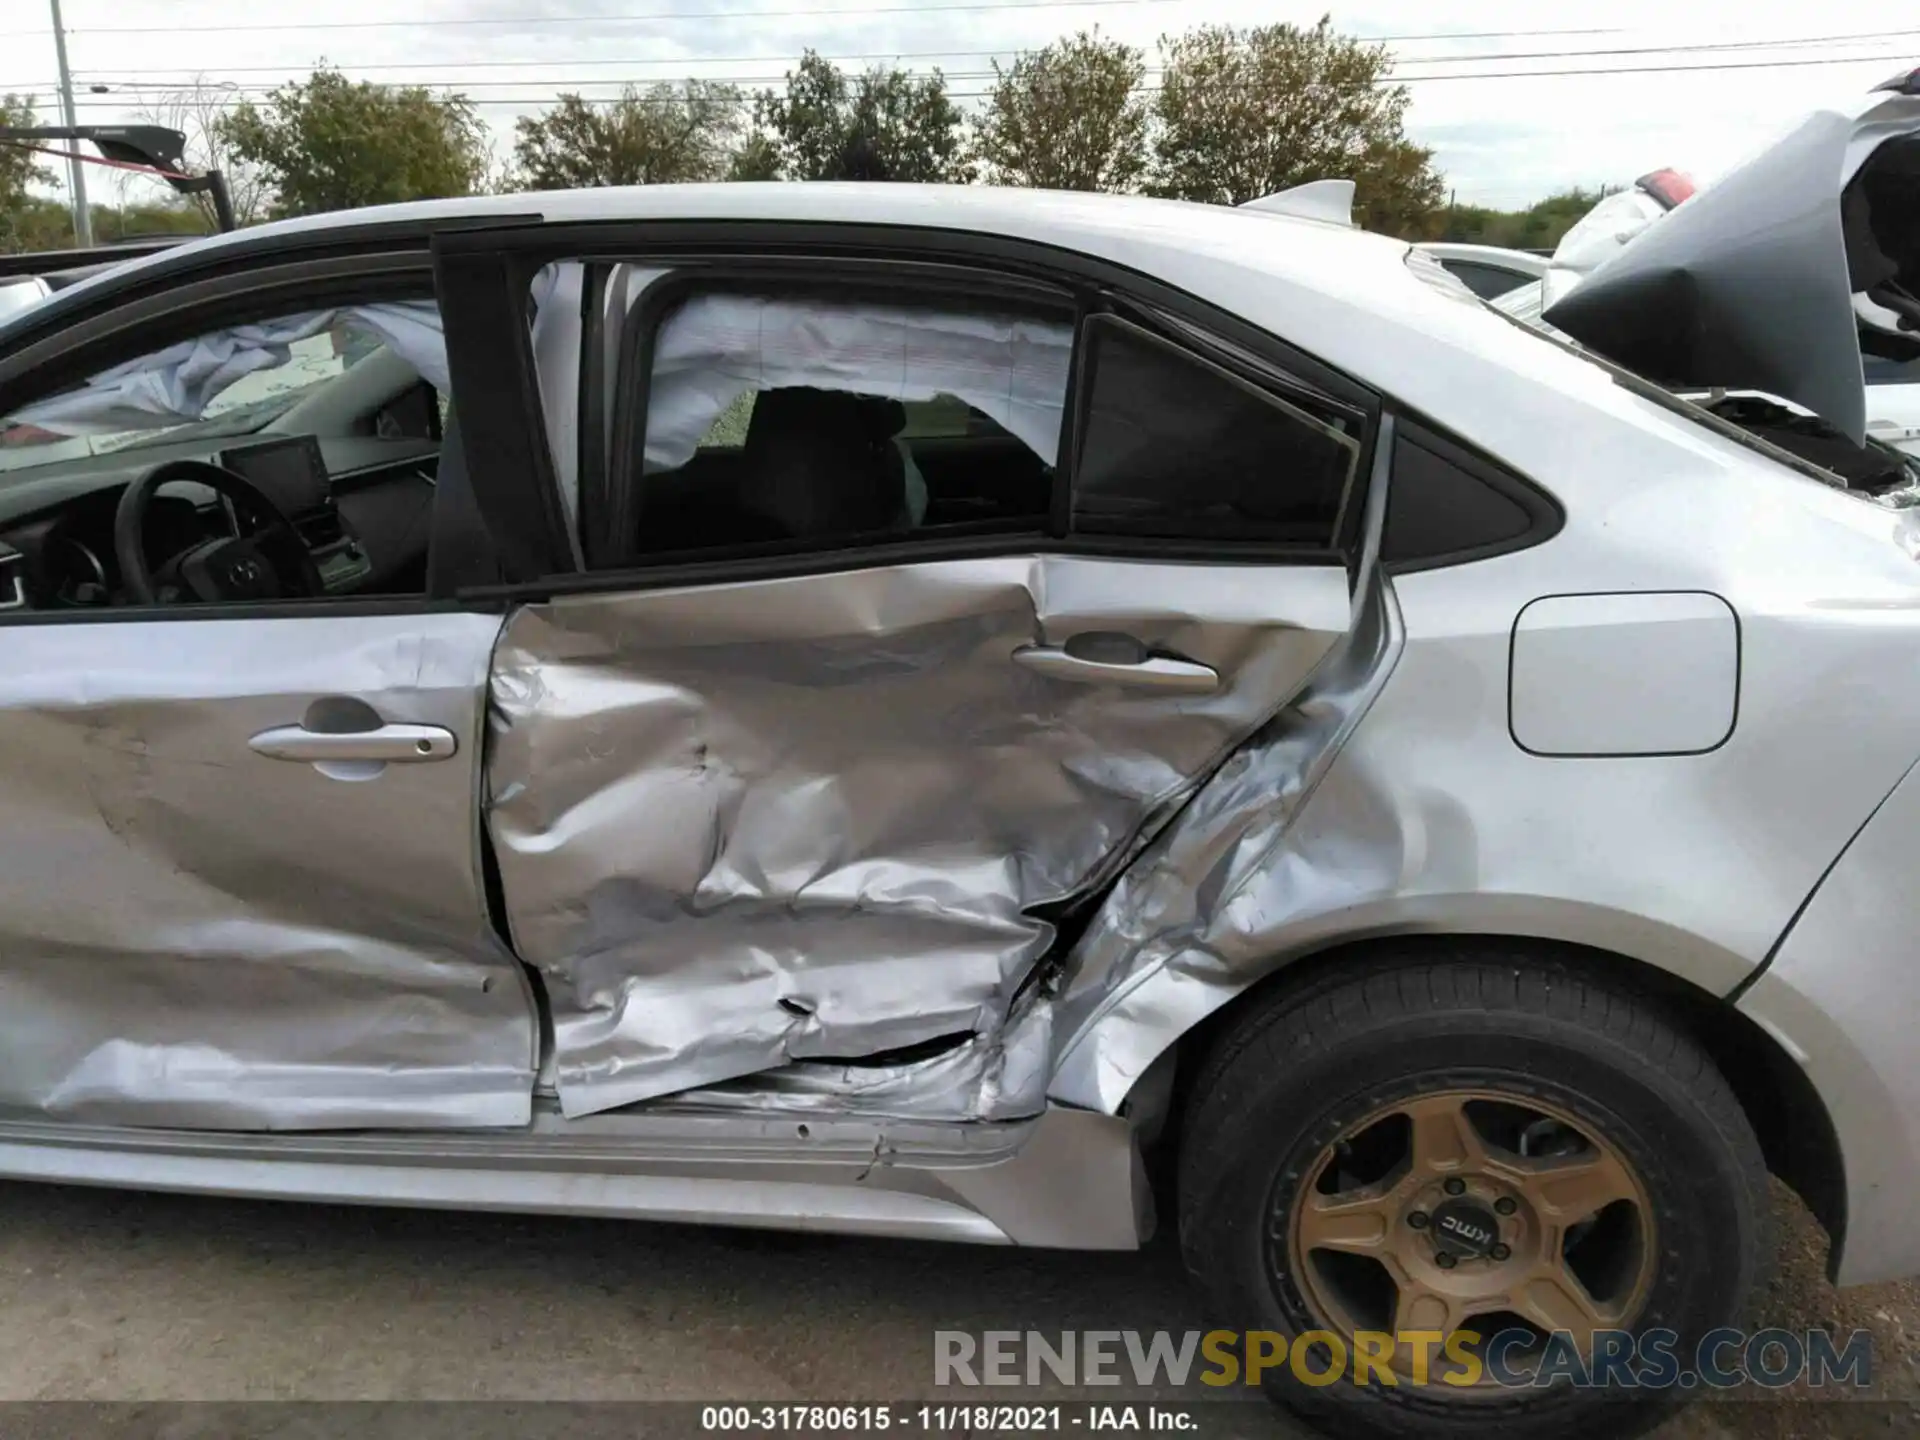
[{"x": 918, "y": 603}]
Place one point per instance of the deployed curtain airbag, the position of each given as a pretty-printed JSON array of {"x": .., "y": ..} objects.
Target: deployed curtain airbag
[
  {"x": 179, "y": 383},
  {"x": 715, "y": 348}
]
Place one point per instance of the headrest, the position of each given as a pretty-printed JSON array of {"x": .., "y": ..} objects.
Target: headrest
[{"x": 822, "y": 462}]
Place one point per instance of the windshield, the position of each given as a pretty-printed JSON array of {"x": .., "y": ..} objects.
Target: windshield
[
  {"x": 25, "y": 445},
  {"x": 227, "y": 382}
]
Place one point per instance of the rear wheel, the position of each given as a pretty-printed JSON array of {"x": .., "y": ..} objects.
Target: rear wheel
[{"x": 1485, "y": 1145}]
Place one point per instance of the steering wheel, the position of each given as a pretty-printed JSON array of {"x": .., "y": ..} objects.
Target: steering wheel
[{"x": 272, "y": 563}]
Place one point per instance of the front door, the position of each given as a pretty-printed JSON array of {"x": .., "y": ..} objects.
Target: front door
[
  {"x": 241, "y": 867},
  {"x": 850, "y": 722},
  {"x": 200, "y": 926}
]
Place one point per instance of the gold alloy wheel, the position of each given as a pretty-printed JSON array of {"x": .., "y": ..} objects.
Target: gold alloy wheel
[{"x": 1472, "y": 1210}]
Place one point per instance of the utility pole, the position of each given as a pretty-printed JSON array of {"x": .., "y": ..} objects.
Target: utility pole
[{"x": 76, "y": 169}]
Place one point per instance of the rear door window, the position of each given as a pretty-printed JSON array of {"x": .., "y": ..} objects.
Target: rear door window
[{"x": 782, "y": 419}]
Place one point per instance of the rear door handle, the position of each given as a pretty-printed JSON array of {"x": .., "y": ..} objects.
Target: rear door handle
[
  {"x": 387, "y": 745},
  {"x": 1102, "y": 658}
]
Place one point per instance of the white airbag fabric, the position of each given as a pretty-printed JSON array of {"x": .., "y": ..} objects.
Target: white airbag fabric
[
  {"x": 180, "y": 383},
  {"x": 715, "y": 348}
]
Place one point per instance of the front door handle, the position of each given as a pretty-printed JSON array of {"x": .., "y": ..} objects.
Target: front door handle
[
  {"x": 385, "y": 745},
  {"x": 1100, "y": 658}
]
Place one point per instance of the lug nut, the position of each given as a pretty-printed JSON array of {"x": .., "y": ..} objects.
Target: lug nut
[
  {"x": 1500, "y": 1252},
  {"x": 1455, "y": 1186},
  {"x": 1505, "y": 1205},
  {"x": 1445, "y": 1260},
  {"x": 1418, "y": 1219}
]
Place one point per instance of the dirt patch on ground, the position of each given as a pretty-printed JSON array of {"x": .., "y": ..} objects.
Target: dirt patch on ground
[
  {"x": 1798, "y": 1298},
  {"x": 112, "y": 1296}
]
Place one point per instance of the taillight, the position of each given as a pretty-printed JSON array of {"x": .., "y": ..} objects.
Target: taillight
[{"x": 1669, "y": 187}]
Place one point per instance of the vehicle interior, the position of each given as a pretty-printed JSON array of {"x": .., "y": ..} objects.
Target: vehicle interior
[
  {"x": 333, "y": 424},
  {"x": 801, "y": 463},
  {"x": 336, "y": 432},
  {"x": 767, "y": 419}
]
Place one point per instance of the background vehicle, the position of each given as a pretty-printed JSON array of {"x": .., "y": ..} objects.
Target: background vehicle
[
  {"x": 1490, "y": 271},
  {"x": 1892, "y": 381},
  {"x": 1595, "y": 238},
  {"x": 1893, "y": 402},
  {"x": 18, "y": 294},
  {"x": 878, "y": 709}
]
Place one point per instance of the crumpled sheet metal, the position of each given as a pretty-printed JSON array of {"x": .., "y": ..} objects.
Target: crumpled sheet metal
[
  {"x": 1202, "y": 912},
  {"x": 1000, "y": 1076},
  {"x": 813, "y": 818},
  {"x": 194, "y": 936}
]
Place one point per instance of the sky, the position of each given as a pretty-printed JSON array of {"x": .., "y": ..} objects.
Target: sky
[{"x": 1501, "y": 138}]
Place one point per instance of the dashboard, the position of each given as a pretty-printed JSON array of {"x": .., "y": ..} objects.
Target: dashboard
[{"x": 362, "y": 504}]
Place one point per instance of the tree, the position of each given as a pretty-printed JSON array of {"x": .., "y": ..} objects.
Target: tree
[
  {"x": 1539, "y": 227},
  {"x": 758, "y": 158},
  {"x": 330, "y": 143},
  {"x": 1069, "y": 117},
  {"x": 1243, "y": 113},
  {"x": 671, "y": 133},
  {"x": 30, "y": 222},
  {"x": 196, "y": 110},
  {"x": 20, "y": 170},
  {"x": 881, "y": 124}
]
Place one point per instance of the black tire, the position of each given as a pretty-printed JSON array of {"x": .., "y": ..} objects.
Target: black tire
[{"x": 1313, "y": 1057}]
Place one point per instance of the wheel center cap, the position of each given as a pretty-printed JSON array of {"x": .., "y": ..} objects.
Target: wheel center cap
[{"x": 1465, "y": 1228}]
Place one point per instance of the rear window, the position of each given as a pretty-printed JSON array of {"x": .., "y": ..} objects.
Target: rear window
[{"x": 1489, "y": 282}]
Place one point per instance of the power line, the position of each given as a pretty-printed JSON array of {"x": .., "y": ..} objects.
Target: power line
[
  {"x": 574, "y": 84},
  {"x": 1647, "y": 69},
  {"x": 1718, "y": 45},
  {"x": 568, "y": 82},
  {"x": 664, "y": 16},
  {"x": 549, "y": 98}
]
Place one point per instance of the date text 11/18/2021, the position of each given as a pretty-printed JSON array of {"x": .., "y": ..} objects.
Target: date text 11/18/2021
[{"x": 937, "y": 1419}]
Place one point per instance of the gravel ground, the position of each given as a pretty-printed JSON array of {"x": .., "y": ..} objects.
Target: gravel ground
[{"x": 114, "y": 1296}]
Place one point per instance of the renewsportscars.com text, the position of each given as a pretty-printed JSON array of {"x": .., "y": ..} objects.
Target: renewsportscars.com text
[{"x": 1652, "y": 1359}]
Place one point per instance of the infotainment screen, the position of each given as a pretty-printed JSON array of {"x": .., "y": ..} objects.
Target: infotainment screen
[{"x": 289, "y": 471}]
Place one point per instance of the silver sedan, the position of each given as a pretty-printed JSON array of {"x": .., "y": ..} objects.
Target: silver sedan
[{"x": 907, "y": 711}]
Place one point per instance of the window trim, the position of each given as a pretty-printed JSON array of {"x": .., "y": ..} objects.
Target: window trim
[
  {"x": 1546, "y": 516},
  {"x": 333, "y": 607},
  {"x": 732, "y": 566},
  {"x": 590, "y": 413}
]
